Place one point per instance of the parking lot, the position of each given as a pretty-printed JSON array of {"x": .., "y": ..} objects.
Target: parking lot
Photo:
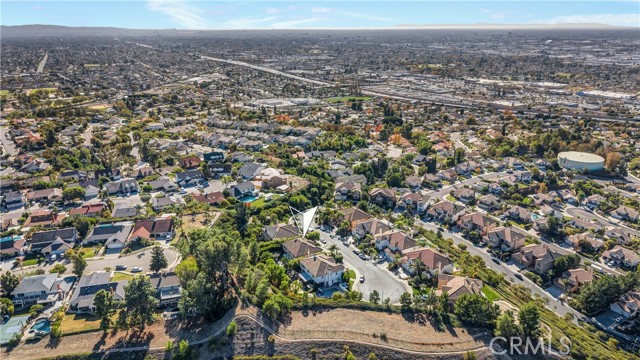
[{"x": 376, "y": 275}]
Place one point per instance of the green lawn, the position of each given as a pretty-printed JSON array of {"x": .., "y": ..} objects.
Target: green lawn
[
  {"x": 73, "y": 323},
  {"x": 120, "y": 276},
  {"x": 88, "y": 251},
  {"x": 334, "y": 100},
  {"x": 261, "y": 202},
  {"x": 30, "y": 262},
  {"x": 491, "y": 294}
]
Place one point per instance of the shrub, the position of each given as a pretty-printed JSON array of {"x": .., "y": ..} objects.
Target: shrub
[
  {"x": 271, "y": 339},
  {"x": 232, "y": 328},
  {"x": 383, "y": 336}
]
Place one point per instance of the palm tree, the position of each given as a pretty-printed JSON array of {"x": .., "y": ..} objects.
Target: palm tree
[
  {"x": 333, "y": 248},
  {"x": 418, "y": 268}
]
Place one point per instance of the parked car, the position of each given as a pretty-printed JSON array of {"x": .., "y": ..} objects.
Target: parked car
[
  {"x": 496, "y": 260},
  {"x": 53, "y": 257},
  {"x": 518, "y": 276},
  {"x": 362, "y": 256},
  {"x": 136, "y": 269},
  {"x": 362, "y": 278},
  {"x": 356, "y": 251},
  {"x": 121, "y": 267}
]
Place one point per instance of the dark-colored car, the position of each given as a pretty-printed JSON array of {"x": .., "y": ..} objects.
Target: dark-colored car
[
  {"x": 121, "y": 267},
  {"x": 518, "y": 276},
  {"x": 496, "y": 260},
  {"x": 362, "y": 278}
]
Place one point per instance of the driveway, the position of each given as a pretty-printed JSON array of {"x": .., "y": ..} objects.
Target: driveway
[{"x": 377, "y": 277}]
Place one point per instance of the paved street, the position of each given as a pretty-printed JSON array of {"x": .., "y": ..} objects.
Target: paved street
[
  {"x": 7, "y": 144},
  {"x": 377, "y": 277},
  {"x": 444, "y": 191},
  {"x": 599, "y": 219},
  {"x": 507, "y": 269},
  {"x": 140, "y": 259}
]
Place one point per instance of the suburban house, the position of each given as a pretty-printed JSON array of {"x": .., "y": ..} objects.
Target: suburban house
[
  {"x": 627, "y": 305},
  {"x": 159, "y": 203},
  {"x": 280, "y": 232},
  {"x": 122, "y": 187},
  {"x": 626, "y": 213},
  {"x": 250, "y": 170},
  {"x": 409, "y": 200},
  {"x": 537, "y": 256},
  {"x": 465, "y": 195},
  {"x": 190, "y": 162},
  {"x": 12, "y": 200},
  {"x": 271, "y": 178},
  {"x": 142, "y": 171},
  {"x": 354, "y": 215},
  {"x": 90, "y": 210},
  {"x": 321, "y": 270},
  {"x": 621, "y": 236},
  {"x": 477, "y": 222},
  {"x": 158, "y": 229},
  {"x": 189, "y": 178},
  {"x": 243, "y": 189},
  {"x": 219, "y": 170},
  {"x": 489, "y": 202},
  {"x": 621, "y": 255},
  {"x": 518, "y": 213},
  {"x": 113, "y": 174},
  {"x": 382, "y": 197},
  {"x": 446, "y": 211},
  {"x": 114, "y": 236},
  {"x": 40, "y": 289},
  {"x": 572, "y": 279},
  {"x": 456, "y": 286},
  {"x": 300, "y": 248},
  {"x": 212, "y": 198},
  {"x": 163, "y": 184},
  {"x": 54, "y": 242},
  {"x": 394, "y": 241},
  {"x": 579, "y": 241},
  {"x": 167, "y": 287},
  {"x": 594, "y": 200},
  {"x": 43, "y": 218},
  {"x": 371, "y": 226},
  {"x": 72, "y": 175},
  {"x": 506, "y": 238},
  {"x": 46, "y": 195},
  {"x": 89, "y": 284},
  {"x": 213, "y": 157},
  {"x": 434, "y": 261},
  {"x": 11, "y": 246},
  {"x": 348, "y": 191}
]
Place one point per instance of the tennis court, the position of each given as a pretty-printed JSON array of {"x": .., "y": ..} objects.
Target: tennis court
[{"x": 11, "y": 327}]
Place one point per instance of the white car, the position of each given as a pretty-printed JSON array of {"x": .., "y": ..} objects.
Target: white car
[{"x": 136, "y": 269}]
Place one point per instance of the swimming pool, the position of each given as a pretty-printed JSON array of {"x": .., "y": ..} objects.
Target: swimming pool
[
  {"x": 535, "y": 217},
  {"x": 41, "y": 325},
  {"x": 248, "y": 199},
  {"x": 10, "y": 237}
]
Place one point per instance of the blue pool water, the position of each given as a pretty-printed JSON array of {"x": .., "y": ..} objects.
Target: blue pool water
[
  {"x": 534, "y": 217},
  {"x": 248, "y": 199},
  {"x": 9, "y": 238},
  {"x": 42, "y": 325}
]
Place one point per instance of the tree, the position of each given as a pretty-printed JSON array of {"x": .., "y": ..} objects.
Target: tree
[
  {"x": 79, "y": 263},
  {"x": 374, "y": 297},
  {"x": 71, "y": 193},
  {"x": 475, "y": 310},
  {"x": 104, "y": 303},
  {"x": 140, "y": 301},
  {"x": 9, "y": 281},
  {"x": 158, "y": 259},
  {"x": 277, "y": 305},
  {"x": 405, "y": 301},
  {"x": 58, "y": 268},
  {"x": 505, "y": 325},
  {"x": 6, "y": 307},
  {"x": 184, "y": 352},
  {"x": 529, "y": 317},
  {"x": 187, "y": 270},
  {"x": 612, "y": 161}
]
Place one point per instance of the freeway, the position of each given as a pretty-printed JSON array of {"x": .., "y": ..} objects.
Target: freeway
[
  {"x": 366, "y": 91},
  {"x": 377, "y": 277}
]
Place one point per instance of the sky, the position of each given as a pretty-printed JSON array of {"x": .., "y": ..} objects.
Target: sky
[{"x": 262, "y": 14}]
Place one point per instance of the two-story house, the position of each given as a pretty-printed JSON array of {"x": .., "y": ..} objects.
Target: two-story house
[
  {"x": 348, "y": 191},
  {"x": 383, "y": 197},
  {"x": 537, "y": 256},
  {"x": 445, "y": 211},
  {"x": 167, "y": 287},
  {"x": 321, "y": 270},
  {"x": 506, "y": 238}
]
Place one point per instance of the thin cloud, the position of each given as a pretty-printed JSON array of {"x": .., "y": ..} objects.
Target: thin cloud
[
  {"x": 180, "y": 13},
  {"x": 365, "y": 16},
  {"x": 496, "y": 15},
  {"x": 250, "y": 21},
  {"x": 607, "y": 19},
  {"x": 321, "y": 10},
  {"x": 293, "y": 23},
  {"x": 272, "y": 11}
]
